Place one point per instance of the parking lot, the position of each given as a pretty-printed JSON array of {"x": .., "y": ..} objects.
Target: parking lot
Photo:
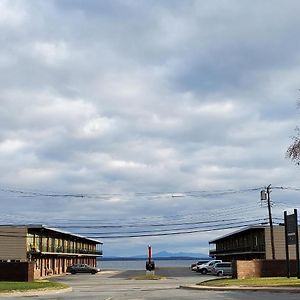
[{"x": 115, "y": 285}]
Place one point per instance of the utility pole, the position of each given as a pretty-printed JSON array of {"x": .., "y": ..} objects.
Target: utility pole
[{"x": 266, "y": 196}]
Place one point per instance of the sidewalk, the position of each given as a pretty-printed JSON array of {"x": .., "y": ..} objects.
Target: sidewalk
[
  {"x": 32, "y": 293},
  {"x": 242, "y": 288}
]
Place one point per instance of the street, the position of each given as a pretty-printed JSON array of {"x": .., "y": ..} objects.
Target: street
[{"x": 113, "y": 285}]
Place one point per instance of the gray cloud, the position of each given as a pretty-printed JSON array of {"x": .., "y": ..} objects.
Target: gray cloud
[{"x": 127, "y": 96}]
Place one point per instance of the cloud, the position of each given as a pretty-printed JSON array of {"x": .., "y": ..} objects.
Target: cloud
[
  {"x": 132, "y": 101},
  {"x": 12, "y": 14}
]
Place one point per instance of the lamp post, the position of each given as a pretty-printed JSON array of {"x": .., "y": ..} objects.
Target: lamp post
[
  {"x": 265, "y": 195},
  {"x": 150, "y": 265}
]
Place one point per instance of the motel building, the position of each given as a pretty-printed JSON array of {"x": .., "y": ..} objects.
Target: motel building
[
  {"x": 251, "y": 242},
  {"x": 43, "y": 251},
  {"x": 250, "y": 251}
]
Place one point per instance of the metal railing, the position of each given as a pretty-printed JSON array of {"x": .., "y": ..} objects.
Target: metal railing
[
  {"x": 259, "y": 248},
  {"x": 61, "y": 249}
]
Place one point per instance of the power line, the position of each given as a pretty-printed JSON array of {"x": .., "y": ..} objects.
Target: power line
[
  {"x": 4, "y": 234},
  {"x": 205, "y": 218},
  {"x": 175, "y": 233},
  {"x": 172, "y": 229},
  {"x": 199, "y": 193},
  {"x": 150, "y": 225}
]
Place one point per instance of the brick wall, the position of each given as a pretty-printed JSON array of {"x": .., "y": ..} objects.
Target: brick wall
[
  {"x": 262, "y": 268},
  {"x": 16, "y": 271}
]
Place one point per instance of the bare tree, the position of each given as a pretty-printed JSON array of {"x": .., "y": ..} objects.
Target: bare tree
[{"x": 293, "y": 151}]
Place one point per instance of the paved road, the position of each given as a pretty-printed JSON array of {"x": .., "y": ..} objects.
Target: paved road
[{"x": 110, "y": 285}]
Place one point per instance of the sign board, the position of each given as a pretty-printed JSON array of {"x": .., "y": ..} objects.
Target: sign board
[
  {"x": 291, "y": 227},
  {"x": 291, "y": 238}
]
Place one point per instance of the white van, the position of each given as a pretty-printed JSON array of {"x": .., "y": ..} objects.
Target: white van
[{"x": 224, "y": 268}]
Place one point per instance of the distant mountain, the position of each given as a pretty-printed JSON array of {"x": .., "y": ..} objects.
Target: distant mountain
[
  {"x": 161, "y": 255},
  {"x": 164, "y": 254},
  {"x": 179, "y": 254}
]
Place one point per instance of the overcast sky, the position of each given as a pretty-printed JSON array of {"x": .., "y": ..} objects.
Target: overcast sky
[{"x": 134, "y": 102}]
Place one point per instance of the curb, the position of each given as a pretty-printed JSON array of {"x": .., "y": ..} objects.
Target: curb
[
  {"x": 242, "y": 288},
  {"x": 36, "y": 293}
]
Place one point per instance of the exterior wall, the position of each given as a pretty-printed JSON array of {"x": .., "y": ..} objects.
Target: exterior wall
[
  {"x": 43, "y": 267},
  {"x": 16, "y": 271},
  {"x": 50, "y": 265},
  {"x": 262, "y": 268},
  {"x": 279, "y": 242},
  {"x": 13, "y": 243}
]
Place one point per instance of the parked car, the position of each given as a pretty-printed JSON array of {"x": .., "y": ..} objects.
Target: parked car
[
  {"x": 223, "y": 268},
  {"x": 200, "y": 262},
  {"x": 82, "y": 268},
  {"x": 207, "y": 267}
]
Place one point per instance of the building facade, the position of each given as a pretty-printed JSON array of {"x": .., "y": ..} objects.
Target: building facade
[
  {"x": 51, "y": 250},
  {"x": 253, "y": 242}
]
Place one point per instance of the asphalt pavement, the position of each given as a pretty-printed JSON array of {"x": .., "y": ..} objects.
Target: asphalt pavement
[{"x": 116, "y": 285}]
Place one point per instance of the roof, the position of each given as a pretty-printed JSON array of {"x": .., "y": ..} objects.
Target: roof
[
  {"x": 253, "y": 227},
  {"x": 41, "y": 226}
]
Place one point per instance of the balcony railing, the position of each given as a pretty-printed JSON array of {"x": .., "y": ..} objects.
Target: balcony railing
[
  {"x": 249, "y": 249},
  {"x": 60, "y": 249}
]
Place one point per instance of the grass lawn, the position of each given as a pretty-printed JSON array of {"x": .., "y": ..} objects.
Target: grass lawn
[
  {"x": 266, "y": 281},
  {"x": 11, "y": 286},
  {"x": 147, "y": 277}
]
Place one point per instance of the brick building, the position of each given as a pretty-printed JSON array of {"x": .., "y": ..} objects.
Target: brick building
[{"x": 51, "y": 250}]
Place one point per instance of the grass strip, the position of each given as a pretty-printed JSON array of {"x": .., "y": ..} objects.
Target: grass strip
[
  {"x": 147, "y": 277},
  {"x": 17, "y": 286},
  {"x": 254, "y": 282}
]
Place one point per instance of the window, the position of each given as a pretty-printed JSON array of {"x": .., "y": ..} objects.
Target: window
[
  {"x": 37, "y": 242},
  {"x": 30, "y": 242},
  {"x": 44, "y": 244}
]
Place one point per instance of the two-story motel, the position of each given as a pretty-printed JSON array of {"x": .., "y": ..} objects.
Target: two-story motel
[
  {"x": 252, "y": 242},
  {"x": 51, "y": 249}
]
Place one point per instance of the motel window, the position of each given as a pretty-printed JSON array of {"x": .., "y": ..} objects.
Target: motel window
[
  {"x": 37, "y": 242},
  {"x": 56, "y": 241},
  {"x": 44, "y": 244},
  {"x": 30, "y": 242},
  {"x": 65, "y": 245},
  {"x": 52, "y": 244}
]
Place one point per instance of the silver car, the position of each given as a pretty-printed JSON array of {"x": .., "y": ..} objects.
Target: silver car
[
  {"x": 222, "y": 269},
  {"x": 207, "y": 268},
  {"x": 82, "y": 268}
]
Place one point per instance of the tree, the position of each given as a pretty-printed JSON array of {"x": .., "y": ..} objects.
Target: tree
[{"x": 293, "y": 151}]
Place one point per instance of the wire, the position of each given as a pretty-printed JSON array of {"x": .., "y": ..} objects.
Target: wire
[
  {"x": 149, "y": 225},
  {"x": 203, "y": 215},
  {"x": 199, "y": 193},
  {"x": 4, "y": 234},
  {"x": 172, "y": 229},
  {"x": 174, "y": 233}
]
